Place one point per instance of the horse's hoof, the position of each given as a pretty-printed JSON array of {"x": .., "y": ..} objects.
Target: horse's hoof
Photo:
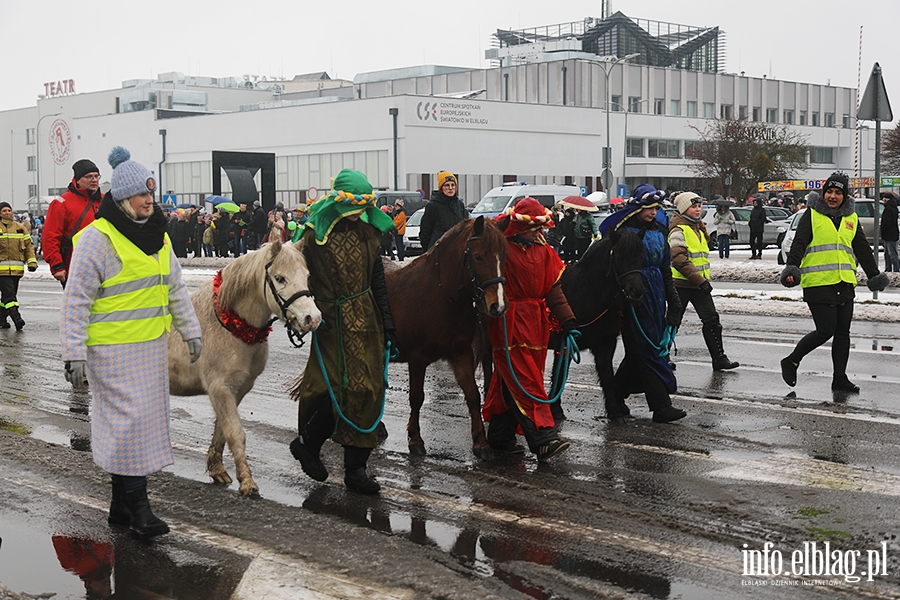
[
  {"x": 418, "y": 450},
  {"x": 251, "y": 491},
  {"x": 617, "y": 421},
  {"x": 222, "y": 477},
  {"x": 482, "y": 453}
]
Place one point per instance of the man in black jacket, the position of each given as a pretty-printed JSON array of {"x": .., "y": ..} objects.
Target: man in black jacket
[
  {"x": 757, "y": 224},
  {"x": 890, "y": 232},
  {"x": 443, "y": 211},
  {"x": 258, "y": 225}
]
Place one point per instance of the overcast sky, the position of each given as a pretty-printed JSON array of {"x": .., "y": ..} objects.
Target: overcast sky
[{"x": 99, "y": 43}]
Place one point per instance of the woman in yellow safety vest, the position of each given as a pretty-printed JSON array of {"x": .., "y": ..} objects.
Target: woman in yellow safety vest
[
  {"x": 828, "y": 242},
  {"x": 123, "y": 294}
]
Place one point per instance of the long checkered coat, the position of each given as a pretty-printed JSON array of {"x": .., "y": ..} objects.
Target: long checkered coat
[{"x": 129, "y": 382}]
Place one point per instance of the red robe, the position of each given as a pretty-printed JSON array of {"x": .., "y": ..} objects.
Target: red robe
[{"x": 530, "y": 273}]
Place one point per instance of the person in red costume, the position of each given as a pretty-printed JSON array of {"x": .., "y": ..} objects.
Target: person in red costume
[
  {"x": 533, "y": 270},
  {"x": 68, "y": 215}
]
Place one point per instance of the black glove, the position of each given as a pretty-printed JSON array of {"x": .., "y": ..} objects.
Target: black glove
[
  {"x": 32, "y": 267},
  {"x": 878, "y": 283},
  {"x": 390, "y": 335},
  {"x": 674, "y": 317},
  {"x": 706, "y": 286},
  {"x": 790, "y": 271},
  {"x": 569, "y": 325}
]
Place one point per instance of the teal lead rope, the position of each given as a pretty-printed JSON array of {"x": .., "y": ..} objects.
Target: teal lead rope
[
  {"x": 668, "y": 338},
  {"x": 389, "y": 353},
  {"x": 568, "y": 354}
]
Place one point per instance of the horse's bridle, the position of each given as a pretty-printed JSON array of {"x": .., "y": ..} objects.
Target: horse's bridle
[
  {"x": 478, "y": 287},
  {"x": 620, "y": 276},
  {"x": 295, "y": 338}
]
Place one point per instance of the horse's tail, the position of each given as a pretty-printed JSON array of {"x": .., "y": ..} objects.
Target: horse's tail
[{"x": 295, "y": 388}]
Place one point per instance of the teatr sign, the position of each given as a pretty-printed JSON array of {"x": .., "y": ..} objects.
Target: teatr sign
[{"x": 64, "y": 87}]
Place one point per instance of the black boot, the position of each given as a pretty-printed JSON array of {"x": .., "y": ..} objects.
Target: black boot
[
  {"x": 144, "y": 523},
  {"x": 309, "y": 459},
  {"x": 17, "y": 318},
  {"x": 118, "y": 511},
  {"x": 4, "y": 324},
  {"x": 712, "y": 335},
  {"x": 355, "y": 477}
]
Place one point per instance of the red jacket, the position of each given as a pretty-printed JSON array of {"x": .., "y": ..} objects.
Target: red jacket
[{"x": 59, "y": 226}]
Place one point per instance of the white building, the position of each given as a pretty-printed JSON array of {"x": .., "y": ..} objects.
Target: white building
[{"x": 543, "y": 119}]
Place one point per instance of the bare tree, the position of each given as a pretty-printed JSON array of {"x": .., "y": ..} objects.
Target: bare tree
[
  {"x": 736, "y": 154},
  {"x": 890, "y": 152}
]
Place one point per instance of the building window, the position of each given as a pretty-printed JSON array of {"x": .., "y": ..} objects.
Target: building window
[
  {"x": 756, "y": 114},
  {"x": 616, "y": 102},
  {"x": 634, "y": 104},
  {"x": 31, "y": 163},
  {"x": 846, "y": 121},
  {"x": 726, "y": 111},
  {"x": 662, "y": 148},
  {"x": 675, "y": 107},
  {"x": 634, "y": 147},
  {"x": 691, "y": 147},
  {"x": 818, "y": 154},
  {"x": 659, "y": 106},
  {"x": 829, "y": 120},
  {"x": 771, "y": 115},
  {"x": 691, "y": 108},
  {"x": 29, "y": 137},
  {"x": 742, "y": 112},
  {"x": 788, "y": 117},
  {"x": 815, "y": 119},
  {"x": 32, "y": 190},
  {"x": 802, "y": 117},
  {"x": 709, "y": 110}
]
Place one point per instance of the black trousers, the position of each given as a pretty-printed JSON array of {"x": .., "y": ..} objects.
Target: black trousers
[
  {"x": 502, "y": 429},
  {"x": 702, "y": 303},
  {"x": 756, "y": 242},
  {"x": 9, "y": 289},
  {"x": 832, "y": 321}
]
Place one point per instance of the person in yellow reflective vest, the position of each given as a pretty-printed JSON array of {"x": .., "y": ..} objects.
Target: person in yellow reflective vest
[
  {"x": 123, "y": 294},
  {"x": 827, "y": 244},
  {"x": 690, "y": 272},
  {"x": 16, "y": 250}
]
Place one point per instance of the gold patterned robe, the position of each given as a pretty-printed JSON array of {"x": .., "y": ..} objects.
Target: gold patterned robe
[{"x": 353, "y": 349}]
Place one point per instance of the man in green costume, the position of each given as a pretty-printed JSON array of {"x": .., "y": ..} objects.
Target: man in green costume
[{"x": 341, "y": 244}]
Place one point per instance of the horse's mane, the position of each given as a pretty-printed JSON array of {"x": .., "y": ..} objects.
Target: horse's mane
[
  {"x": 246, "y": 271},
  {"x": 597, "y": 257},
  {"x": 492, "y": 239}
]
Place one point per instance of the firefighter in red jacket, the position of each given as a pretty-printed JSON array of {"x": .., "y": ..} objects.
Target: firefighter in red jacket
[{"x": 68, "y": 215}]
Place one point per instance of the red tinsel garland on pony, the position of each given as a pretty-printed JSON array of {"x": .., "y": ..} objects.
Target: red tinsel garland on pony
[{"x": 231, "y": 321}]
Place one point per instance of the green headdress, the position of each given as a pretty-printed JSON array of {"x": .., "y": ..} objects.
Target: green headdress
[{"x": 352, "y": 195}]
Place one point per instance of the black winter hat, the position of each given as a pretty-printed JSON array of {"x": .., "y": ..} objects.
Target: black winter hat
[
  {"x": 837, "y": 180},
  {"x": 83, "y": 167},
  {"x": 5, "y": 205}
]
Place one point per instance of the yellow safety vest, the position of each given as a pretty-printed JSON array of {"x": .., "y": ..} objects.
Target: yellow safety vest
[
  {"x": 132, "y": 306},
  {"x": 698, "y": 253},
  {"x": 829, "y": 258}
]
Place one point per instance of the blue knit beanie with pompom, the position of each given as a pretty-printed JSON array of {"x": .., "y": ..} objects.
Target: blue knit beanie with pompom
[{"x": 128, "y": 177}]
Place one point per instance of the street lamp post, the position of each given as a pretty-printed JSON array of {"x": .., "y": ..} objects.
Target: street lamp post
[
  {"x": 607, "y": 150},
  {"x": 37, "y": 141}
]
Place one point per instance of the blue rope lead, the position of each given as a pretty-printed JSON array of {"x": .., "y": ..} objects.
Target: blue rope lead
[
  {"x": 389, "y": 352},
  {"x": 569, "y": 353},
  {"x": 667, "y": 340}
]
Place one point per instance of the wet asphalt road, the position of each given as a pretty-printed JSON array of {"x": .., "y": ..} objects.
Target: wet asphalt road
[{"x": 641, "y": 510}]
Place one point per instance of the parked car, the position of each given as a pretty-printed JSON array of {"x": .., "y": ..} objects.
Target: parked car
[
  {"x": 411, "y": 244},
  {"x": 788, "y": 237},
  {"x": 775, "y": 219},
  {"x": 500, "y": 198},
  {"x": 412, "y": 201}
]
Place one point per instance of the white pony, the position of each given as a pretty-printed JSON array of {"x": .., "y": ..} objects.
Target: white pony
[{"x": 235, "y": 311}]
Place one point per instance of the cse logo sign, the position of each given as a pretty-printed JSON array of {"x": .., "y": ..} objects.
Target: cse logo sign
[{"x": 426, "y": 110}]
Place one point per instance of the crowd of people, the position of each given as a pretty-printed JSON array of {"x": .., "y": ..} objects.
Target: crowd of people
[{"x": 116, "y": 256}]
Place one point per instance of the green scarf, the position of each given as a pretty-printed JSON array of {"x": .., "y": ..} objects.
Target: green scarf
[{"x": 352, "y": 195}]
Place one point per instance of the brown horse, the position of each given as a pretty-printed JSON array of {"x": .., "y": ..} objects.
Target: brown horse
[{"x": 435, "y": 302}]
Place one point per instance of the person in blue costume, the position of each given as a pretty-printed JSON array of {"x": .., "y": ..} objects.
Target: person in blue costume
[{"x": 649, "y": 324}]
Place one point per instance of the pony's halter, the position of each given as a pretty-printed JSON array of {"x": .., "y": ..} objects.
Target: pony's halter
[
  {"x": 283, "y": 305},
  {"x": 620, "y": 276},
  {"x": 477, "y": 287}
]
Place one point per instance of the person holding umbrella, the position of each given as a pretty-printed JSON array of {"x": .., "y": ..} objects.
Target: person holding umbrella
[{"x": 583, "y": 228}]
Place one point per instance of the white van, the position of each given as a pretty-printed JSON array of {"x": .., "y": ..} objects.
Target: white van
[{"x": 500, "y": 198}]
